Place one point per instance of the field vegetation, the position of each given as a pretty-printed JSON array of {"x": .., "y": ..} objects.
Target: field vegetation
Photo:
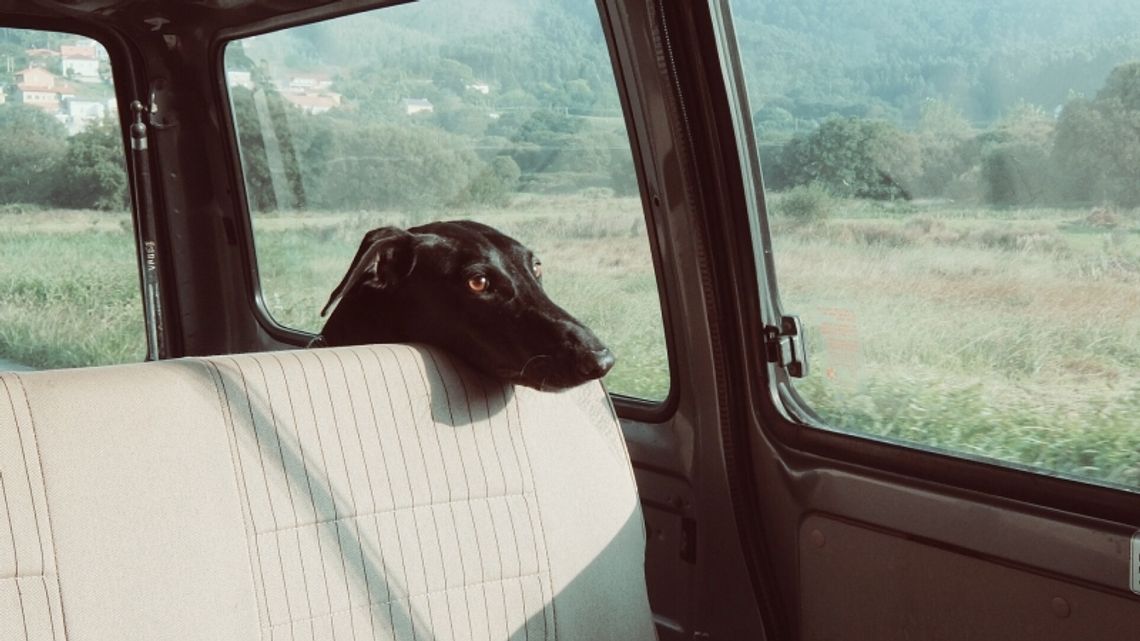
[{"x": 1004, "y": 334}]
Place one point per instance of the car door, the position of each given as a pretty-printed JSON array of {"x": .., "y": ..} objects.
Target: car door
[{"x": 918, "y": 269}]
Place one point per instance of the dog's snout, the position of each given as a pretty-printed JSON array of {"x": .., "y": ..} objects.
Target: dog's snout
[{"x": 596, "y": 363}]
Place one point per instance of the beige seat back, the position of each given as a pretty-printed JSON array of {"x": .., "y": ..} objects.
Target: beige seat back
[{"x": 381, "y": 492}]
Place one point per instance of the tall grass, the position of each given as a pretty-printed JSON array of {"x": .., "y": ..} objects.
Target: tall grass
[
  {"x": 69, "y": 290},
  {"x": 1011, "y": 335}
]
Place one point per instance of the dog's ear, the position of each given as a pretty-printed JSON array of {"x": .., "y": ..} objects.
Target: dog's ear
[{"x": 386, "y": 255}]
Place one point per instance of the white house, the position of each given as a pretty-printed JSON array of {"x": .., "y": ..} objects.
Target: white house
[
  {"x": 81, "y": 113},
  {"x": 313, "y": 104},
  {"x": 417, "y": 105},
  {"x": 237, "y": 78},
  {"x": 36, "y": 87},
  {"x": 310, "y": 83},
  {"x": 80, "y": 62}
]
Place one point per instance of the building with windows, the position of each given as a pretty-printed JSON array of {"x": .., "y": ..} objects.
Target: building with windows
[
  {"x": 80, "y": 62},
  {"x": 37, "y": 87}
]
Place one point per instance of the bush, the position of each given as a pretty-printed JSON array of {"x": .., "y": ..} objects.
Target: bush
[{"x": 806, "y": 204}]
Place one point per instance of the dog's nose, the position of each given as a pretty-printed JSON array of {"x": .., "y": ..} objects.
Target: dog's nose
[{"x": 596, "y": 363}]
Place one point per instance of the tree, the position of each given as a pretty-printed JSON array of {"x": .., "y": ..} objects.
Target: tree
[
  {"x": 32, "y": 143},
  {"x": 1097, "y": 148},
  {"x": 91, "y": 174},
  {"x": 493, "y": 185},
  {"x": 943, "y": 136},
  {"x": 1016, "y": 168},
  {"x": 383, "y": 166},
  {"x": 854, "y": 157}
]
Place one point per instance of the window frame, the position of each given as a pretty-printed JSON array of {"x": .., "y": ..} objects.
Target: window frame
[
  {"x": 127, "y": 81},
  {"x": 627, "y": 407},
  {"x": 788, "y": 420}
]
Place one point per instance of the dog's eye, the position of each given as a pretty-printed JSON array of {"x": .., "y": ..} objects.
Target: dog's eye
[
  {"x": 537, "y": 268},
  {"x": 478, "y": 284}
]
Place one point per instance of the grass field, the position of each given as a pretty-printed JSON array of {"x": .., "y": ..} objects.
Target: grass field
[
  {"x": 1012, "y": 335},
  {"x": 1009, "y": 335}
]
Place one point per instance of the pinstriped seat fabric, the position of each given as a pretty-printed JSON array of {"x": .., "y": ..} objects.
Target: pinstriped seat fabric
[{"x": 378, "y": 492}]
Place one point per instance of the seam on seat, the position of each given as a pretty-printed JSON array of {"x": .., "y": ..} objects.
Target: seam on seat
[
  {"x": 408, "y": 478},
  {"x": 333, "y": 503},
  {"x": 388, "y": 478},
  {"x": 490, "y": 428},
  {"x": 239, "y": 476},
  {"x": 451, "y": 501},
  {"x": 467, "y": 487},
  {"x": 32, "y": 495},
  {"x": 308, "y": 486},
  {"x": 542, "y": 529},
  {"x": 418, "y": 595},
  {"x": 486, "y": 483}
]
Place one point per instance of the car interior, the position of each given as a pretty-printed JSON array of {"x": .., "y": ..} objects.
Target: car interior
[{"x": 215, "y": 478}]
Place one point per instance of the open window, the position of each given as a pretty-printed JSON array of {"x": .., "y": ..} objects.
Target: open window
[
  {"x": 69, "y": 280},
  {"x": 449, "y": 110}
]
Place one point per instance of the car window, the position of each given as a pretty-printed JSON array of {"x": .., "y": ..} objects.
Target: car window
[
  {"x": 69, "y": 284},
  {"x": 952, "y": 197},
  {"x": 504, "y": 112}
]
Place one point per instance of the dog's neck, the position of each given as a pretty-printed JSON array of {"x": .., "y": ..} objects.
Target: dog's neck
[{"x": 360, "y": 318}]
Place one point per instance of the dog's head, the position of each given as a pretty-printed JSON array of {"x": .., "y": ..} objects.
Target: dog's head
[{"x": 470, "y": 289}]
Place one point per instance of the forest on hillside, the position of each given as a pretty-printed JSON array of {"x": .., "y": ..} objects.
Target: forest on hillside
[{"x": 1012, "y": 103}]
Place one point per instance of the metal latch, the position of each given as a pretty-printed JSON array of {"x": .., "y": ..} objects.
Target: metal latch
[
  {"x": 1134, "y": 564},
  {"x": 787, "y": 346}
]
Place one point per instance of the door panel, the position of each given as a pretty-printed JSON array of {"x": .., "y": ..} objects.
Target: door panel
[{"x": 859, "y": 582}]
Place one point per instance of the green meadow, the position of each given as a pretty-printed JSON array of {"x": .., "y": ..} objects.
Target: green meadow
[{"x": 1003, "y": 334}]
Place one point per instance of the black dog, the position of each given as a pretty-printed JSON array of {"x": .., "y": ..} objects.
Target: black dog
[{"x": 467, "y": 288}]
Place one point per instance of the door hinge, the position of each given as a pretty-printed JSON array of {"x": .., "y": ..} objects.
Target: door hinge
[{"x": 787, "y": 346}]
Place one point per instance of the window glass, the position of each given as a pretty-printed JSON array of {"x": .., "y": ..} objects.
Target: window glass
[
  {"x": 952, "y": 190},
  {"x": 69, "y": 285},
  {"x": 504, "y": 112}
]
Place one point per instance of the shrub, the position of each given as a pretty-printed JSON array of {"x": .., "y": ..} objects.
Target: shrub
[{"x": 806, "y": 204}]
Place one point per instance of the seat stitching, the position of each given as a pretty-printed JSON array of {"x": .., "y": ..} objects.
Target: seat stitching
[
  {"x": 367, "y": 476},
  {"x": 402, "y": 509},
  {"x": 265, "y": 477},
  {"x": 467, "y": 485},
  {"x": 391, "y": 494},
  {"x": 451, "y": 501},
  {"x": 418, "y": 595},
  {"x": 325, "y": 466},
  {"x": 511, "y": 514},
  {"x": 407, "y": 475},
  {"x": 15, "y": 556},
  {"x": 431, "y": 498},
  {"x": 538, "y": 510},
  {"x": 503, "y": 475},
  {"x": 289, "y": 490},
  {"x": 518, "y": 462},
  {"x": 47, "y": 508},
  {"x": 486, "y": 481},
  {"x": 336, "y": 429},
  {"x": 281, "y": 452},
  {"x": 308, "y": 481},
  {"x": 239, "y": 472}
]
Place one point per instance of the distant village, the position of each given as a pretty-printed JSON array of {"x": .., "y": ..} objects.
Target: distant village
[
  {"x": 72, "y": 83},
  {"x": 311, "y": 92}
]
